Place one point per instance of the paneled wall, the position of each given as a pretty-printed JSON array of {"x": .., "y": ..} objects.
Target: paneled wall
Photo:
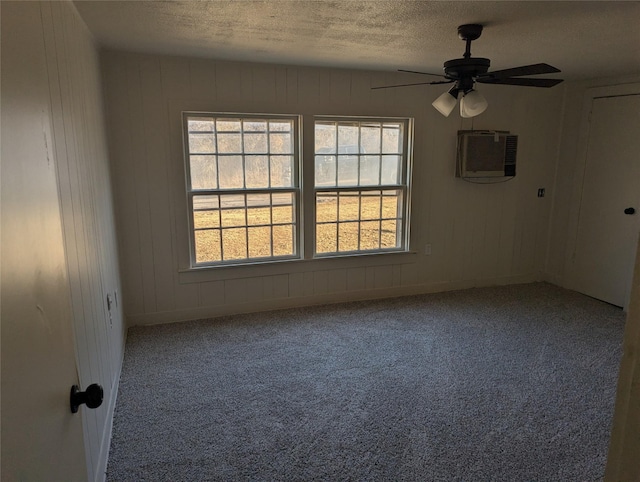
[
  {"x": 479, "y": 234},
  {"x": 84, "y": 184}
]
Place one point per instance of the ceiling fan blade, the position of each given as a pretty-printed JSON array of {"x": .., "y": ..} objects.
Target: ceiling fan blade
[
  {"x": 423, "y": 73},
  {"x": 521, "y": 81},
  {"x": 534, "y": 69},
  {"x": 417, "y": 83}
]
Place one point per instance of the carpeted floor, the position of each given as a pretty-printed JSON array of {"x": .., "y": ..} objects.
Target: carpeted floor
[{"x": 510, "y": 383}]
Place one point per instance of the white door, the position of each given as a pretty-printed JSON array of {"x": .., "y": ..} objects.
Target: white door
[
  {"x": 41, "y": 438},
  {"x": 609, "y": 219}
]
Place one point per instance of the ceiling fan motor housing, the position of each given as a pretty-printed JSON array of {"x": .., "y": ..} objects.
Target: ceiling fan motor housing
[{"x": 465, "y": 70}]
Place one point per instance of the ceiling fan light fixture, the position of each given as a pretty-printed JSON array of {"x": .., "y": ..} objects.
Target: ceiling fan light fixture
[
  {"x": 472, "y": 104},
  {"x": 446, "y": 102}
]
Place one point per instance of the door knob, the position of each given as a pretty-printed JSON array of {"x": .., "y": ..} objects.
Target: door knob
[
  {"x": 630, "y": 211},
  {"x": 92, "y": 396}
]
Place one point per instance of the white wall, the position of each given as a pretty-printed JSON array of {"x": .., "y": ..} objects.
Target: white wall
[
  {"x": 480, "y": 234},
  {"x": 54, "y": 141}
]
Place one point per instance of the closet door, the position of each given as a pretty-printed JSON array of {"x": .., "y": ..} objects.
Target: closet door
[{"x": 609, "y": 218}]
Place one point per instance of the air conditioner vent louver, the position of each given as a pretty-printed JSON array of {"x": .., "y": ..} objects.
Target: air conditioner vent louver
[
  {"x": 486, "y": 154},
  {"x": 510, "y": 156}
]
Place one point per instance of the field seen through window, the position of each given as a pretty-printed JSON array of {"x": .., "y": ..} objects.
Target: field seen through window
[{"x": 346, "y": 222}]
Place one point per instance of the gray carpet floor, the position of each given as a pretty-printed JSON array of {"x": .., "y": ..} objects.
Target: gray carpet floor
[{"x": 512, "y": 383}]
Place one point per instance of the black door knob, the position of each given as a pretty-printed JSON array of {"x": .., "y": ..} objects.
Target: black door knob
[
  {"x": 92, "y": 396},
  {"x": 630, "y": 211}
]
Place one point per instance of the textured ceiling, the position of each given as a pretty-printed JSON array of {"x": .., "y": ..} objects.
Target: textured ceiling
[{"x": 583, "y": 39}]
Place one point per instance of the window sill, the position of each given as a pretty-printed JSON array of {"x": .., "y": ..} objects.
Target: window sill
[{"x": 271, "y": 268}]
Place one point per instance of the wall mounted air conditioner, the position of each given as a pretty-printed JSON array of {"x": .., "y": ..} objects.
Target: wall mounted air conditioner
[{"x": 486, "y": 154}]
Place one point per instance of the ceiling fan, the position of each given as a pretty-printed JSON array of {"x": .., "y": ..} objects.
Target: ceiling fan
[{"x": 468, "y": 70}]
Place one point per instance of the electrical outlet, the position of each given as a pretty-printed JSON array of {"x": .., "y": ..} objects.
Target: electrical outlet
[
  {"x": 427, "y": 249},
  {"x": 541, "y": 192}
]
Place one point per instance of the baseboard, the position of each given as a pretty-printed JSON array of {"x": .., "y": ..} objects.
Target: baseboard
[
  {"x": 105, "y": 443},
  {"x": 336, "y": 297}
]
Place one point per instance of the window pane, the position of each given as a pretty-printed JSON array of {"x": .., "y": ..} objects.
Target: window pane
[
  {"x": 326, "y": 238},
  {"x": 259, "y": 210},
  {"x": 370, "y": 139},
  {"x": 389, "y": 237},
  {"x": 390, "y": 169},
  {"x": 230, "y": 172},
  {"x": 370, "y": 205},
  {"x": 255, "y": 125},
  {"x": 233, "y": 217},
  {"x": 369, "y": 235},
  {"x": 349, "y": 207},
  {"x": 204, "y": 174},
  {"x": 325, "y": 171},
  {"x": 326, "y": 207},
  {"x": 202, "y": 143},
  {"x": 282, "y": 126},
  {"x": 256, "y": 171},
  {"x": 281, "y": 175},
  {"x": 260, "y": 242},
  {"x": 200, "y": 124},
  {"x": 205, "y": 202},
  {"x": 229, "y": 143},
  {"x": 392, "y": 138},
  {"x": 233, "y": 210},
  {"x": 369, "y": 170},
  {"x": 228, "y": 125},
  {"x": 348, "y": 138},
  {"x": 283, "y": 240},
  {"x": 348, "y": 236},
  {"x": 282, "y": 214},
  {"x": 390, "y": 204},
  {"x": 234, "y": 243},
  {"x": 207, "y": 245},
  {"x": 280, "y": 143},
  {"x": 347, "y": 170},
  {"x": 282, "y": 208},
  {"x": 325, "y": 138},
  {"x": 255, "y": 143},
  {"x": 206, "y": 219}
]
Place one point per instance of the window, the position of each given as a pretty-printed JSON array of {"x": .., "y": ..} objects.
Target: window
[
  {"x": 242, "y": 187},
  {"x": 361, "y": 185},
  {"x": 245, "y": 197}
]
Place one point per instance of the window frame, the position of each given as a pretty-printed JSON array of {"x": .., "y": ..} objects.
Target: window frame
[
  {"x": 296, "y": 189},
  {"x": 404, "y": 185}
]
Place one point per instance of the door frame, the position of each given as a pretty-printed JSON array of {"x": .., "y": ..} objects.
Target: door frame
[{"x": 590, "y": 94}]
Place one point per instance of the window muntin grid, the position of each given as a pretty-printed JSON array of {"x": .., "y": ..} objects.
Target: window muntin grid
[
  {"x": 361, "y": 172},
  {"x": 242, "y": 184}
]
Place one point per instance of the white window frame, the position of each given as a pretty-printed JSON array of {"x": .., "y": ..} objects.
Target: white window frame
[
  {"x": 403, "y": 185},
  {"x": 295, "y": 189}
]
